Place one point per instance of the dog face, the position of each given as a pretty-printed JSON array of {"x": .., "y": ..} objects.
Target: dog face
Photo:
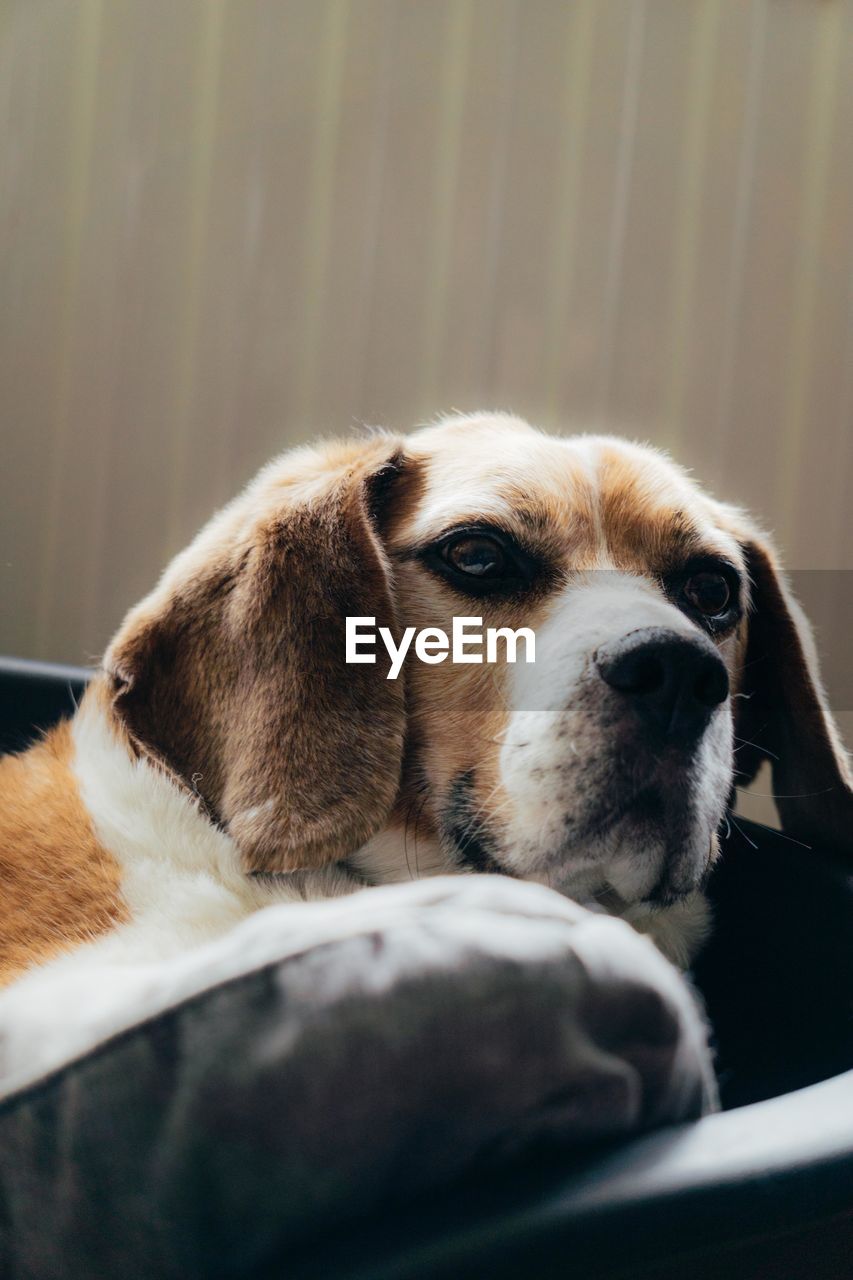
[
  {"x": 605, "y": 767},
  {"x": 664, "y": 639}
]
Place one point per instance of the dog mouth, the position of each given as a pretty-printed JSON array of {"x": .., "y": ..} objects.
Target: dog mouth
[
  {"x": 651, "y": 812},
  {"x": 465, "y": 829},
  {"x": 665, "y": 820},
  {"x": 644, "y": 806}
]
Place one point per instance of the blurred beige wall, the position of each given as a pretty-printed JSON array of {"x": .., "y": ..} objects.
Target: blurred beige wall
[{"x": 227, "y": 226}]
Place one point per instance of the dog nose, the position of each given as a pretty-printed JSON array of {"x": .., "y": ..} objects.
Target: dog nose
[{"x": 673, "y": 681}]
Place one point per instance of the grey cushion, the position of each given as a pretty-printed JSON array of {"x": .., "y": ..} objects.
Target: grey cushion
[{"x": 429, "y": 1029}]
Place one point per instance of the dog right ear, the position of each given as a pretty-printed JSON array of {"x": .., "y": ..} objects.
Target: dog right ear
[
  {"x": 232, "y": 674},
  {"x": 783, "y": 714}
]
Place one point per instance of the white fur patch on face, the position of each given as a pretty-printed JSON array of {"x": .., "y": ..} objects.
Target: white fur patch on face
[
  {"x": 569, "y": 780},
  {"x": 476, "y": 463}
]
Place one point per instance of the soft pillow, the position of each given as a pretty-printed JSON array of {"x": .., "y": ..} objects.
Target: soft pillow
[{"x": 322, "y": 1060}]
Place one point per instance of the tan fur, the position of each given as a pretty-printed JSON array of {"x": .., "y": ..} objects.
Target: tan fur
[
  {"x": 230, "y": 676},
  {"x": 59, "y": 886},
  {"x": 221, "y": 673},
  {"x": 631, "y": 513},
  {"x": 634, "y": 512}
]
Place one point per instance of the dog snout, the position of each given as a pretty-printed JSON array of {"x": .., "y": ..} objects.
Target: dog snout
[{"x": 673, "y": 682}]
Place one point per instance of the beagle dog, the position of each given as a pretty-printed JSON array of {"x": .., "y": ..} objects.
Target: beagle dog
[{"x": 225, "y": 756}]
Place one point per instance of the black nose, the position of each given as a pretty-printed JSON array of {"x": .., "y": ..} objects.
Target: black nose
[{"x": 673, "y": 681}]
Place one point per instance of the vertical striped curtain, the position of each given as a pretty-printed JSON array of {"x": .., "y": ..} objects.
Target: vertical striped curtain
[{"x": 229, "y": 225}]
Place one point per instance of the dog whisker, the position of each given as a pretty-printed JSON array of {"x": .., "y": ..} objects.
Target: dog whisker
[
  {"x": 743, "y": 833},
  {"x": 793, "y": 795},
  {"x": 745, "y": 742}
]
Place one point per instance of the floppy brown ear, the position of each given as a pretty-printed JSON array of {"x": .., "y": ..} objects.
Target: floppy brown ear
[
  {"x": 232, "y": 674},
  {"x": 784, "y": 715}
]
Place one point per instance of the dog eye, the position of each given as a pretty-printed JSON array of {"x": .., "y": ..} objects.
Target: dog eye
[
  {"x": 476, "y": 555},
  {"x": 709, "y": 593},
  {"x": 482, "y": 562}
]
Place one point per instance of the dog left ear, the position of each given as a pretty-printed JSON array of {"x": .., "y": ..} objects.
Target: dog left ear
[
  {"x": 784, "y": 716},
  {"x": 232, "y": 675}
]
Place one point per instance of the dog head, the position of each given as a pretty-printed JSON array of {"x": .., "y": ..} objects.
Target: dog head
[{"x": 667, "y": 650}]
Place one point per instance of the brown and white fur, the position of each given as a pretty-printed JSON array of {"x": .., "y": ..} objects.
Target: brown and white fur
[{"x": 225, "y": 757}]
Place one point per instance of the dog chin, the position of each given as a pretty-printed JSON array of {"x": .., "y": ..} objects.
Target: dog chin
[
  {"x": 657, "y": 851},
  {"x": 659, "y": 864}
]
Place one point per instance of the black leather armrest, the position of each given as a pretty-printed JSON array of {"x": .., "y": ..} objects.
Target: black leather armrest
[{"x": 698, "y": 1191}]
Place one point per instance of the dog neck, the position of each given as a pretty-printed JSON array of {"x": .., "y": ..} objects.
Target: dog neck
[
  {"x": 61, "y": 884},
  {"x": 150, "y": 824},
  {"x": 98, "y": 844},
  {"x": 175, "y": 861}
]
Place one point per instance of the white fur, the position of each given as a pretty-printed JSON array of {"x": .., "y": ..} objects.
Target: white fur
[
  {"x": 679, "y": 930},
  {"x": 187, "y": 901},
  {"x": 180, "y": 876},
  {"x": 195, "y": 917},
  {"x": 556, "y": 760},
  {"x": 398, "y": 853}
]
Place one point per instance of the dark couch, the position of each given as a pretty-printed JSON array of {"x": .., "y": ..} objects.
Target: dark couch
[{"x": 763, "y": 1189}]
